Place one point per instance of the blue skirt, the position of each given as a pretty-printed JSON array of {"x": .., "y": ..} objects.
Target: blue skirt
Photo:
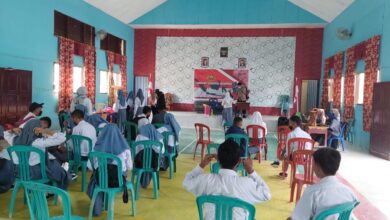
[{"x": 7, "y": 176}]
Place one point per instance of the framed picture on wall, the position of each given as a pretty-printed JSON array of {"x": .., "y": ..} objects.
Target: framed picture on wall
[
  {"x": 224, "y": 52},
  {"x": 241, "y": 62},
  {"x": 204, "y": 62}
]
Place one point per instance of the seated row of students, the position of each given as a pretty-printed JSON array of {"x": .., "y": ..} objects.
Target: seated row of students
[{"x": 328, "y": 193}]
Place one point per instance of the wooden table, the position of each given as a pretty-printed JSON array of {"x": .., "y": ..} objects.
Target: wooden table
[{"x": 319, "y": 130}]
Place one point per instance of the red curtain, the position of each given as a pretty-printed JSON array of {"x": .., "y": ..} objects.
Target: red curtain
[
  {"x": 325, "y": 98},
  {"x": 123, "y": 69},
  {"x": 338, "y": 61},
  {"x": 349, "y": 94},
  {"x": 90, "y": 70},
  {"x": 66, "y": 51},
  {"x": 371, "y": 59},
  {"x": 111, "y": 90}
]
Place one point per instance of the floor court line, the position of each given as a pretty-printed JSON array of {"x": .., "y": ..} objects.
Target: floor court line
[{"x": 188, "y": 145}]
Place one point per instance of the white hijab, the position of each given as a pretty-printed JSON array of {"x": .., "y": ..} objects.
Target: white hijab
[{"x": 257, "y": 119}]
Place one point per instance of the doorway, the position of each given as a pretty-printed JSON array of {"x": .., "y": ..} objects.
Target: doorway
[
  {"x": 15, "y": 94},
  {"x": 309, "y": 95}
]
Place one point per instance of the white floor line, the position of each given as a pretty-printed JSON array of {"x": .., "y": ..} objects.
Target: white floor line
[{"x": 188, "y": 145}]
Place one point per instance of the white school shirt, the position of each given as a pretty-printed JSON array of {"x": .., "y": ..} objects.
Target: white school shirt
[
  {"x": 329, "y": 192},
  {"x": 87, "y": 130},
  {"x": 298, "y": 133},
  {"x": 137, "y": 104},
  {"x": 27, "y": 116},
  {"x": 86, "y": 102},
  {"x": 251, "y": 189},
  {"x": 140, "y": 147},
  {"x": 126, "y": 160},
  {"x": 40, "y": 143},
  {"x": 118, "y": 106}
]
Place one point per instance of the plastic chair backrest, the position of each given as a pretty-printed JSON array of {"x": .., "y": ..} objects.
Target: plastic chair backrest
[
  {"x": 37, "y": 202},
  {"x": 167, "y": 135},
  {"x": 76, "y": 143},
  {"x": 305, "y": 158},
  {"x": 343, "y": 126},
  {"x": 300, "y": 144},
  {"x": 103, "y": 159},
  {"x": 200, "y": 130},
  {"x": 224, "y": 206},
  {"x": 158, "y": 125},
  {"x": 343, "y": 210},
  {"x": 23, "y": 155},
  {"x": 98, "y": 130},
  {"x": 131, "y": 128},
  {"x": 147, "y": 155},
  {"x": 254, "y": 135},
  {"x": 215, "y": 167},
  {"x": 237, "y": 138},
  {"x": 227, "y": 125},
  {"x": 212, "y": 146}
]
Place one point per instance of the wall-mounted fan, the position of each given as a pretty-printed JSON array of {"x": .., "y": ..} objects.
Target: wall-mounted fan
[
  {"x": 344, "y": 34},
  {"x": 101, "y": 34}
]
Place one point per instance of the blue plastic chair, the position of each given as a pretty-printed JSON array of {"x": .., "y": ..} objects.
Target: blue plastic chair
[
  {"x": 76, "y": 162},
  {"x": 37, "y": 202},
  {"x": 224, "y": 207},
  {"x": 344, "y": 211},
  {"x": 171, "y": 156},
  {"x": 158, "y": 125},
  {"x": 23, "y": 156},
  {"x": 350, "y": 133},
  {"x": 339, "y": 138},
  {"x": 103, "y": 159},
  {"x": 147, "y": 166}
]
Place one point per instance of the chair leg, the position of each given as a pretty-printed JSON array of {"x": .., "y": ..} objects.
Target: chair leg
[
  {"x": 56, "y": 195},
  {"x": 170, "y": 167},
  {"x": 292, "y": 191},
  {"x": 203, "y": 151},
  {"x": 106, "y": 201},
  {"x": 196, "y": 147},
  {"x": 111, "y": 202},
  {"x": 94, "y": 196},
  {"x": 265, "y": 152},
  {"x": 174, "y": 165},
  {"x": 158, "y": 180},
  {"x": 13, "y": 198},
  {"x": 259, "y": 155},
  {"x": 133, "y": 208},
  {"x": 155, "y": 185},
  {"x": 139, "y": 174},
  {"x": 299, "y": 192},
  {"x": 343, "y": 144},
  {"x": 83, "y": 176}
]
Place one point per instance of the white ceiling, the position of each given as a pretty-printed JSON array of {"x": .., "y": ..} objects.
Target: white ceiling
[
  {"x": 325, "y": 9},
  {"x": 125, "y": 10},
  {"x": 129, "y": 10}
]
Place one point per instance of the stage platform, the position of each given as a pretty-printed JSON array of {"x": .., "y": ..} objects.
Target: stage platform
[{"x": 188, "y": 119}]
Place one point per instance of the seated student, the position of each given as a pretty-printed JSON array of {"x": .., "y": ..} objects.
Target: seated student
[
  {"x": 59, "y": 152},
  {"x": 110, "y": 141},
  {"x": 328, "y": 193},
  {"x": 35, "y": 110},
  {"x": 296, "y": 132},
  {"x": 160, "y": 116},
  {"x": 143, "y": 119},
  {"x": 7, "y": 177},
  {"x": 237, "y": 129},
  {"x": 171, "y": 125},
  {"x": 34, "y": 135},
  {"x": 251, "y": 189},
  {"x": 282, "y": 121},
  {"x": 334, "y": 127},
  {"x": 148, "y": 132}
]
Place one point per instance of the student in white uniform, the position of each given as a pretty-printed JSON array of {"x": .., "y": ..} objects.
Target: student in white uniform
[
  {"x": 82, "y": 99},
  {"x": 251, "y": 189},
  {"x": 35, "y": 110},
  {"x": 33, "y": 135},
  {"x": 328, "y": 193},
  {"x": 296, "y": 132},
  {"x": 227, "y": 112},
  {"x": 144, "y": 118},
  {"x": 85, "y": 129},
  {"x": 138, "y": 103}
]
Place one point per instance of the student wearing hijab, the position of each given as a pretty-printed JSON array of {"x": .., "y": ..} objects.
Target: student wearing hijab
[
  {"x": 130, "y": 106},
  {"x": 138, "y": 103},
  {"x": 257, "y": 119},
  {"x": 160, "y": 100},
  {"x": 7, "y": 176},
  {"x": 334, "y": 127},
  {"x": 170, "y": 125},
  {"x": 227, "y": 113},
  {"x": 110, "y": 141},
  {"x": 120, "y": 108},
  {"x": 148, "y": 132},
  {"x": 82, "y": 99},
  {"x": 33, "y": 135}
]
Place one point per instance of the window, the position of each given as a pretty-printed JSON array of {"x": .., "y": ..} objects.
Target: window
[
  {"x": 113, "y": 44},
  {"x": 104, "y": 81},
  {"x": 359, "y": 88},
  {"x": 78, "y": 78}
]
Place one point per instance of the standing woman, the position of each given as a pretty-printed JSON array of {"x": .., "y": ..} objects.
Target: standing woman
[
  {"x": 82, "y": 99},
  {"x": 227, "y": 113},
  {"x": 120, "y": 108},
  {"x": 110, "y": 141},
  {"x": 33, "y": 135},
  {"x": 130, "y": 106},
  {"x": 138, "y": 103},
  {"x": 148, "y": 132}
]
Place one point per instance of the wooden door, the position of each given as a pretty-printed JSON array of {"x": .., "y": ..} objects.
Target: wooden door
[
  {"x": 15, "y": 94},
  {"x": 380, "y": 129}
]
